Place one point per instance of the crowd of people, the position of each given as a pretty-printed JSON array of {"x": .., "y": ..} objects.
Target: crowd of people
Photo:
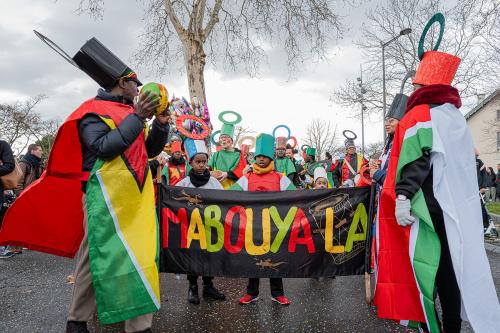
[{"x": 427, "y": 240}]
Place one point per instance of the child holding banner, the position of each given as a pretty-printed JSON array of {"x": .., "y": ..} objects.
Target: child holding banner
[
  {"x": 263, "y": 178},
  {"x": 199, "y": 177},
  {"x": 320, "y": 178}
]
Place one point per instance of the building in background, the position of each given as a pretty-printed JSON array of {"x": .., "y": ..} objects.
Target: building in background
[{"x": 484, "y": 124}]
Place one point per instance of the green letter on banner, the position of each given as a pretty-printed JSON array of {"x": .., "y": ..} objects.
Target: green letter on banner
[{"x": 212, "y": 220}]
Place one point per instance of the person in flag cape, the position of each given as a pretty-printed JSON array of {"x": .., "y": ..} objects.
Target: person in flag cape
[
  {"x": 430, "y": 235},
  {"x": 350, "y": 168},
  {"x": 199, "y": 177},
  {"x": 227, "y": 164},
  {"x": 97, "y": 196},
  {"x": 282, "y": 163},
  {"x": 396, "y": 112},
  {"x": 263, "y": 178},
  {"x": 307, "y": 174},
  {"x": 176, "y": 168}
]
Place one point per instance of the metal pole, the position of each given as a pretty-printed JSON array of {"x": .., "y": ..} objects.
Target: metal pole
[
  {"x": 362, "y": 111},
  {"x": 383, "y": 88}
]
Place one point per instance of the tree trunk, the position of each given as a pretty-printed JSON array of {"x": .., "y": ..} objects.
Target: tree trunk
[{"x": 194, "y": 57}]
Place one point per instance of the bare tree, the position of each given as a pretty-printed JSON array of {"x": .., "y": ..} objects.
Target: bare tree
[
  {"x": 240, "y": 131},
  {"x": 470, "y": 25},
  {"x": 374, "y": 150},
  {"x": 322, "y": 135},
  {"x": 21, "y": 123},
  {"x": 232, "y": 33}
]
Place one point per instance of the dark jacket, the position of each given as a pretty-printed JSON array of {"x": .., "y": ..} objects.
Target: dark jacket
[
  {"x": 99, "y": 141},
  {"x": 32, "y": 170},
  {"x": 8, "y": 164},
  {"x": 380, "y": 174},
  {"x": 482, "y": 176}
]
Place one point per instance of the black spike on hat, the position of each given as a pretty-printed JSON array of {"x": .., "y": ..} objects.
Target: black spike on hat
[
  {"x": 97, "y": 61},
  {"x": 398, "y": 106}
]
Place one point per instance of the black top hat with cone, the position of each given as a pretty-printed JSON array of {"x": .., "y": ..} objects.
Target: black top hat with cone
[
  {"x": 398, "y": 106},
  {"x": 97, "y": 61}
]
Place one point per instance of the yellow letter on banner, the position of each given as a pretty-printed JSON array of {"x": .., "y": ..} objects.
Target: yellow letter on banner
[
  {"x": 258, "y": 250},
  {"x": 329, "y": 230},
  {"x": 196, "y": 223},
  {"x": 212, "y": 220},
  {"x": 352, "y": 236}
]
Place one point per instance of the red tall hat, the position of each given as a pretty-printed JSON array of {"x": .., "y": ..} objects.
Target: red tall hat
[
  {"x": 176, "y": 147},
  {"x": 435, "y": 67}
]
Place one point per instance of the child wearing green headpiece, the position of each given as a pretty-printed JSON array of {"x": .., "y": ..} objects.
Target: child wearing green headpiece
[
  {"x": 227, "y": 165},
  {"x": 263, "y": 178}
]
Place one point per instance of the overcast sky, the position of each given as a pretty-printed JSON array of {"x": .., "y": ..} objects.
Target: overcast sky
[{"x": 29, "y": 68}]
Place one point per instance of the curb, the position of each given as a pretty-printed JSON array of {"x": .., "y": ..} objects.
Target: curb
[{"x": 492, "y": 248}]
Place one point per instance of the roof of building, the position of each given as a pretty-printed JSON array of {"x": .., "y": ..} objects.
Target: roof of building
[{"x": 481, "y": 104}]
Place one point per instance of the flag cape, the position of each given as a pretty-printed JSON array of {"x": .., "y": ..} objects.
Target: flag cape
[
  {"x": 284, "y": 166},
  {"x": 228, "y": 161},
  {"x": 408, "y": 258},
  {"x": 48, "y": 216}
]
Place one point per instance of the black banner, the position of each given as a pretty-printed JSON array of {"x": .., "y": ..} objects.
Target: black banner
[{"x": 306, "y": 233}]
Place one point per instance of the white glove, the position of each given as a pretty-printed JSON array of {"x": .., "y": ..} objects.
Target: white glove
[{"x": 403, "y": 216}]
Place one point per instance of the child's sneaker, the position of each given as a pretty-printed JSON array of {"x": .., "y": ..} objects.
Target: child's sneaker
[
  {"x": 6, "y": 254},
  {"x": 248, "y": 299},
  {"x": 282, "y": 300}
]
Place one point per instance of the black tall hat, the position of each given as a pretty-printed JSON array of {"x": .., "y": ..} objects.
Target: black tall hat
[
  {"x": 97, "y": 61},
  {"x": 398, "y": 106}
]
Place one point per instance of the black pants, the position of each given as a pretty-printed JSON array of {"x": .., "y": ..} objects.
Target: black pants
[
  {"x": 446, "y": 282},
  {"x": 486, "y": 218},
  {"x": 193, "y": 280},
  {"x": 275, "y": 283}
]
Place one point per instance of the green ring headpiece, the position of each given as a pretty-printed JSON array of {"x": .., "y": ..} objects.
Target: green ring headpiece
[{"x": 438, "y": 17}]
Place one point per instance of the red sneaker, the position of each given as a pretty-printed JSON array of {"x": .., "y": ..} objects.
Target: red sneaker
[
  {"x": 248, "y": 299},
  {"x": 282, "y": 300}
]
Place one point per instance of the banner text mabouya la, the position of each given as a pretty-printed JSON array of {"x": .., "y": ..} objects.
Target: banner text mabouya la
[{"x": 265, "y": 234}]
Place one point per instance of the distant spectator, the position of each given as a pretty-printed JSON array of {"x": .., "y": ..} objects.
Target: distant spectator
[
  {"x": 497, "y": 183},
  {"x": 491, "y": 194},
  {"x": 6, "y": 166},
  {"x": 31, "y": 167}
]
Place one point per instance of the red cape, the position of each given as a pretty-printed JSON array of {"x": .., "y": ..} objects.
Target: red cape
[{"x": 48, "y": 215}]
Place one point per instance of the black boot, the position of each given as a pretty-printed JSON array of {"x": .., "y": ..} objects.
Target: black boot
[
  {"x": 210, "y": 291},
  {"x": 76, "y": 327},
  {"x": 193, "y": 297}
]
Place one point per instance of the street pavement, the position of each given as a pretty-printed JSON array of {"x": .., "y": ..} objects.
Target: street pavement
[{"x": 35, "y": 296}]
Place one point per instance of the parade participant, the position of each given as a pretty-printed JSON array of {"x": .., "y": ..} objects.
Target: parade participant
[
  {"x": 264, "y": 178},
  {"x": 394, "y": 115},
  {"x": 348, "y": 170},
  {"x": 282, "y": 163},
  {"x": 430, "y": 236},
  {"x": 176, "y": 166},
  {"x": 307, "y": 174},
  {"x": 320, "y": 178},
  {"x": 97, "y": 196},
  {"x": 227, "y": 164},
  {"x": 290, "y": 154},
  {"x": 199, "y": 177}
]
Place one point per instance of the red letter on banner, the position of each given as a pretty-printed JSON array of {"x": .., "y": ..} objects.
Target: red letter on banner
[
  {"x": 168, "y": 215},
  {"x": 301, "y": 221},
  {"x": 228, "y": 226}
]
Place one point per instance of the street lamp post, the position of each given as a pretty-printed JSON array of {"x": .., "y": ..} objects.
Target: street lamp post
[
  {"x": 362, "y": 91},
  {"x": 401, "y": 33}
]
